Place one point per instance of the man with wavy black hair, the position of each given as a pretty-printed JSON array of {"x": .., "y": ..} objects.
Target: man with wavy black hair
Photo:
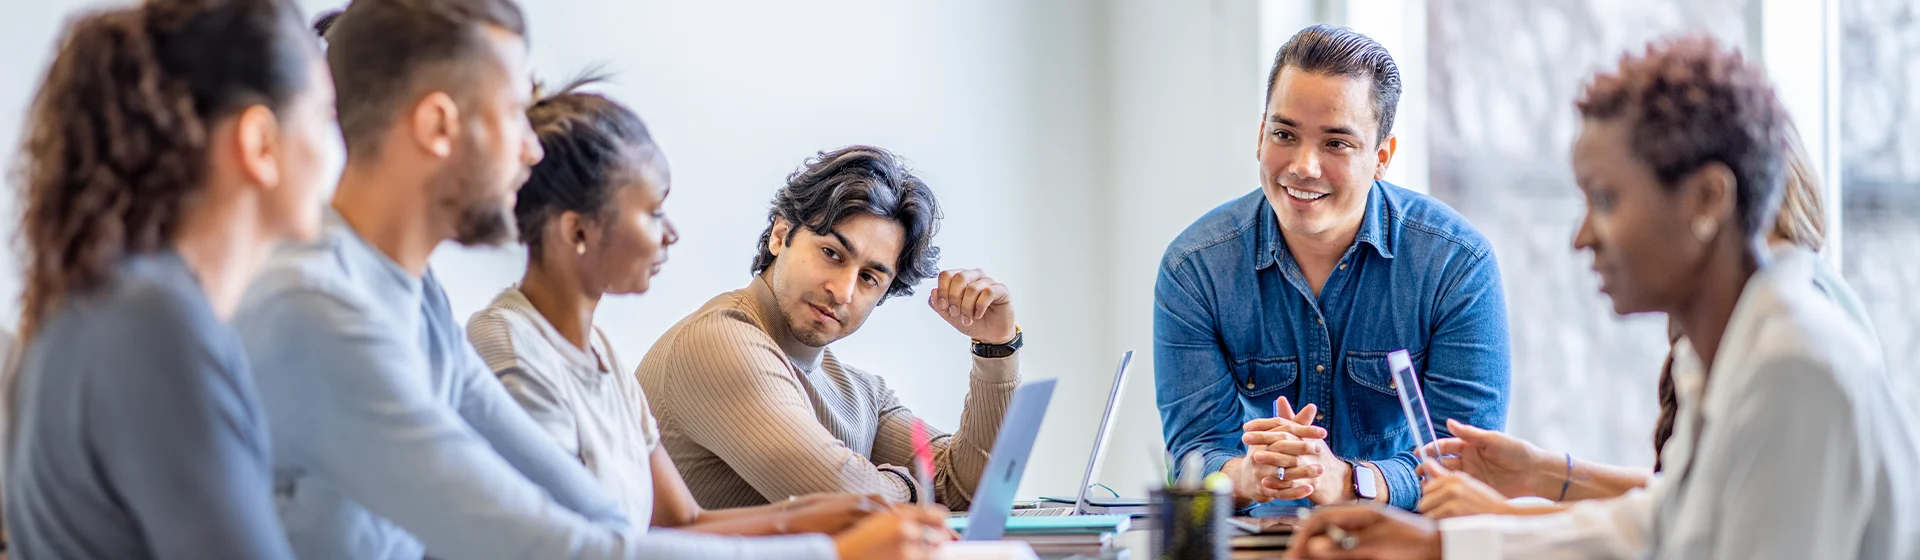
[{"x": 753, "y": 407}]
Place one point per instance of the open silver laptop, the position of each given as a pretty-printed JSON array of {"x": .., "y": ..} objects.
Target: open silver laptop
[
  {"x": 1083, "y": 503},
  {"x": 993, "y": 499}
]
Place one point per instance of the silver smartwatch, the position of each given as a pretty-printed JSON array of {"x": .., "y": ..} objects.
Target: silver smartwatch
[{"x": 1366, "y": 481}]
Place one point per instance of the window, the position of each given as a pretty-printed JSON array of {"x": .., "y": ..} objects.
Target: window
[{"x": 1880, "y": 168}]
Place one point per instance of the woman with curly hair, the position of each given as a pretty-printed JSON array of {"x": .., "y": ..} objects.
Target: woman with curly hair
[
  {"x": 1788, "y": 439},
  {"x": 171, "y": 145}
]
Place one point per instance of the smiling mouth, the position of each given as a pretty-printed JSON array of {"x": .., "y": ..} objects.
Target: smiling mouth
[{"x": 1304, "y": 195}]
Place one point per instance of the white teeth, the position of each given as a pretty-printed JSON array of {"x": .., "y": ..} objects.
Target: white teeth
[{"x": 1304, "y": 195}]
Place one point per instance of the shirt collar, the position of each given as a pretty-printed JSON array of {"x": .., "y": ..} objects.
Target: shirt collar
[
  {"x": 1375, "y": 227},
  {"x": 513, "y": 300}
]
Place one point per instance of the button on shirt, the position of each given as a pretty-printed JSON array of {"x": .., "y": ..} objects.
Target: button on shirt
[{"x": 1236, "y": 325}]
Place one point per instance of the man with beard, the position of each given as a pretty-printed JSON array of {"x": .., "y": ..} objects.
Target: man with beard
[
  {"x": 391, "y": 438},
  {"x": 755, "y": 407}
]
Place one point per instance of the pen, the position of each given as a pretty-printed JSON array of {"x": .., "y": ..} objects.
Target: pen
[
  {"x": 923, "y": 454},
  {"x": 1340, "y": 536}
]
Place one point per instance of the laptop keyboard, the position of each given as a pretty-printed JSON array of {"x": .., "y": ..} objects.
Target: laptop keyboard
[{"x": 1043, "y": 512}]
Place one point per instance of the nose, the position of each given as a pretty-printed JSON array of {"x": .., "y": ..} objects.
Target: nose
[
  {"x": 842, "y": 290},
  {"x": 1583, "y": 236},
  {"x": 1306, "y": 164},
  {"x": 673, "y": 233},
  {"x": 531, "y": 151}
]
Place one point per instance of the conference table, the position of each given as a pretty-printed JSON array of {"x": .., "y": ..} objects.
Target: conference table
[{"x": 1137, "y": 544}]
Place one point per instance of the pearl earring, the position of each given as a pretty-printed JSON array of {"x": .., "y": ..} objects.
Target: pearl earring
[
  {"x": 580, "y": 247},
  {"x": 1704, "y": 228}
]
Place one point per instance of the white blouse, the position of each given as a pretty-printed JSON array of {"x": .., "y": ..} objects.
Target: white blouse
[{"x": 1802, "y": 449}]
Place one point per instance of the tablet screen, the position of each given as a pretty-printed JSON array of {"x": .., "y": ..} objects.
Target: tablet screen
[{"x": 1412, "y": 402}]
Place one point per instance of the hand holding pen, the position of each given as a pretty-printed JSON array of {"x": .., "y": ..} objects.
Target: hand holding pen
[
  {"x": 1365, "y": 530},
  {"x": 923, "y": 457}
]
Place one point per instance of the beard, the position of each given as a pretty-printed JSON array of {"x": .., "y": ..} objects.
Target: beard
[{"x": 466, "y": 188}]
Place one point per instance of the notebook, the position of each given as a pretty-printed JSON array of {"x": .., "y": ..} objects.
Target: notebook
[{"x": 1063, "y": 524}]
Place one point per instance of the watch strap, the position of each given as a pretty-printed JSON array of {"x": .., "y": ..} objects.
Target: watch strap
[{"x": 990, "y": 350}]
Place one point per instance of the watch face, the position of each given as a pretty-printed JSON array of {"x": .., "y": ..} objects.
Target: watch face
[{"x": 1364, "y": 484}]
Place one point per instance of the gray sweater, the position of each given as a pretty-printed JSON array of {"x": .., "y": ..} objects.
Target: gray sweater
[{"x": 138, "y": 433}]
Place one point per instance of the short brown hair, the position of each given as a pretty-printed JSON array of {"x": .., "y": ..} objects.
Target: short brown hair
[
  {"x": 1689, "y": 102},
  {"x": 384, "y": 53}
]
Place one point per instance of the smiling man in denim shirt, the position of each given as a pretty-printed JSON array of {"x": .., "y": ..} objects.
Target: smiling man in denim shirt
[{"x": 1298, "y": 291}]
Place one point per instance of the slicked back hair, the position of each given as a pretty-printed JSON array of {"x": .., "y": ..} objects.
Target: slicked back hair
[{"x": 1338, "y": 51}]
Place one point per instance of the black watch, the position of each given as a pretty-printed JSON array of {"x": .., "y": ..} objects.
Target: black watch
[{"x": 987, "y": 350}]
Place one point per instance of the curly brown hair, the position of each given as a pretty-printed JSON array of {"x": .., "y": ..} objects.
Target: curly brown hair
[
  {"x": 116, "y": 140},
  {"x": 1692, "y": 102}
]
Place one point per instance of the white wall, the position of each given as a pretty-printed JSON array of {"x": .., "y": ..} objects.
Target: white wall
[
  {"x": 1001, "y": 105},
  {"x": 993, "y": 102},
  {"x": 1069, "y": 141}
]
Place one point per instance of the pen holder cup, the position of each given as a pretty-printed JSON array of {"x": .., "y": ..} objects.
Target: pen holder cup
[{"x": 1191, "y": 525}]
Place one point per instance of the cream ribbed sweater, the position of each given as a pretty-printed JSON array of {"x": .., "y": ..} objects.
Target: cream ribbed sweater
[{"x": 750, "y": 415}]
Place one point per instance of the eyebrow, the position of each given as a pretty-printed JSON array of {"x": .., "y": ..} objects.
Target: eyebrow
[
  {"x": 1277, "y": 119},
  {"x": 854, "y": 252}
]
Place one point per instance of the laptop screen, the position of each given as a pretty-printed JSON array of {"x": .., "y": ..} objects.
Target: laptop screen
[
  {"x": 993, "y": 500},
  {"x": 1106, "y": 430}
]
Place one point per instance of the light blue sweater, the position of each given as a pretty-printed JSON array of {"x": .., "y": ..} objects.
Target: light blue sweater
[{"x": 392, "y": 439}]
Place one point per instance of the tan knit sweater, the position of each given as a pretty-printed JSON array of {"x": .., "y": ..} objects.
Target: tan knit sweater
[{"x": 750, "y": 415}]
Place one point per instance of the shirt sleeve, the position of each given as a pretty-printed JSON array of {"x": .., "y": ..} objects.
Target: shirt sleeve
[
  {"x": 960, "y": 458},
  {"x": 1468, "y": 369},
  {"x": 1200, "y": 411},
  {"x": 369, "y": 424},
  {"x": 735, "y": 394},
  {"x": 185, "y": 444},
  {"x": 1616, "y": 528},
  {"x": 529, "y": 388}
]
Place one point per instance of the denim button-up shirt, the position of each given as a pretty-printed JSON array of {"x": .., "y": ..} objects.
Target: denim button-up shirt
[{"x": 1236, "y": 325}]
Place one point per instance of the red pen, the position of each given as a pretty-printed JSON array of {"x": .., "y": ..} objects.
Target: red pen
[{"x": 923, "y": 454}]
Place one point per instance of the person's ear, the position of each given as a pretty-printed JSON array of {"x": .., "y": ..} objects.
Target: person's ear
[
  {"x": 571, "y": 230},
  {"x": 1708, "y": 196},
  {"x": 256, "y": 135},
  {"x": 778, "y": 240},
  {"x": 1385, "y": 156},
  {"x": 434, "y": 123}
]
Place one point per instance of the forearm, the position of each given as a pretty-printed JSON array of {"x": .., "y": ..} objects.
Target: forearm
[
  {"x": 769, "y": 519},
  {"x": 961, "y": 462},
  {"x": 1564, "y": 478}
]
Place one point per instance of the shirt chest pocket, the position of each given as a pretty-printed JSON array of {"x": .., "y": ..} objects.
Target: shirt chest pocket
[
  {"x": 1373, "y": 396},
  {"x": 1257, "y": 376}
]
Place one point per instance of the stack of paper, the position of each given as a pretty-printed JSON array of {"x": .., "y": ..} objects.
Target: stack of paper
[{"x": 1067, "y": 534}]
